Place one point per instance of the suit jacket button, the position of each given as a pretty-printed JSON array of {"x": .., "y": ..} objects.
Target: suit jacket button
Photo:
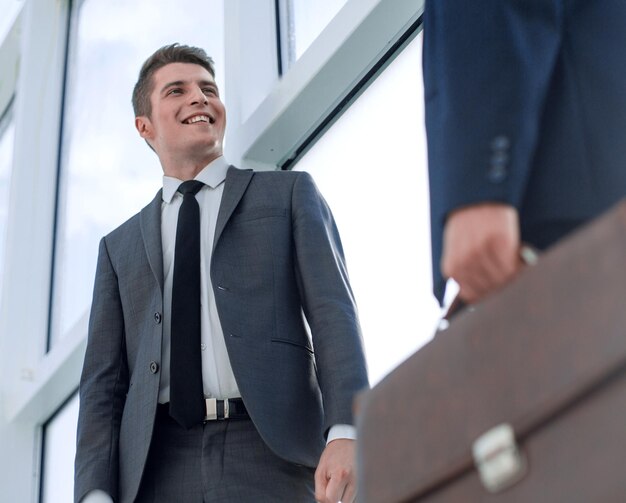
[
  {"x": 157, "y": 317},
  {"x": 497, "y": 173},
  {"x": 501, "y": 142},
  {"x": 154, "y": 367},
  {"x": 500, "y": 158}
]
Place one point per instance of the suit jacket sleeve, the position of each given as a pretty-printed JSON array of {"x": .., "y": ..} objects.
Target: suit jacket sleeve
[
  {"x": 487, "y": 70},
  {"x": 328, "y": 303},
  {"x": 103, "y": 387}
]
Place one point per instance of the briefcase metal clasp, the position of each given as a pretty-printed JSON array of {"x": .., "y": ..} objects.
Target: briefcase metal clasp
[{"x": 499, "y": 462}]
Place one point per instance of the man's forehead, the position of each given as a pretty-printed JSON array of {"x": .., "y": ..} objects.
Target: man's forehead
[{"x": 182, "y": 72}]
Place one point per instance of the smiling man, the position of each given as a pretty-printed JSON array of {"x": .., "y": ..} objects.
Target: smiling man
[{"x": 201, "y": 382}]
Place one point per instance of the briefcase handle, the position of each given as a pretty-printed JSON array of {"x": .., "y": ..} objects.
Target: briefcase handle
[{"x": 529, "y": 255}]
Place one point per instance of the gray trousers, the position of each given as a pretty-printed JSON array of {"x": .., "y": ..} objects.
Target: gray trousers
[{"x": 219, "y": 462}]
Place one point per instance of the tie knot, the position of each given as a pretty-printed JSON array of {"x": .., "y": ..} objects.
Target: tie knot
[{"x": 190, "y": 187}]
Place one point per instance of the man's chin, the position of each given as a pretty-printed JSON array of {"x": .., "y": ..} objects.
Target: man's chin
[{"x": 203, "y": 151}]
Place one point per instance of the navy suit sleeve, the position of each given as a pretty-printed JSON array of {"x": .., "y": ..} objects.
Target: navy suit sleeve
[
  {"x": 328, "y": 303},
  {"x": 487, "y": 70},
  {"x": 103, "y": 387}
]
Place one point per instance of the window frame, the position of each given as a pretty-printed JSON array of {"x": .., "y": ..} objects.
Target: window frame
[
  {"x": 347, "y": 54},
  {"x": 36, "y": 44},
  {"x": 44, "y": 433}
]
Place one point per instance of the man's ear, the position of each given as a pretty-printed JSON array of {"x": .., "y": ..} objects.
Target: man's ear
[{"x": 144, "y": 127}]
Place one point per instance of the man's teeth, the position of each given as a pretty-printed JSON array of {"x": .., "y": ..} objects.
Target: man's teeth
[{"x": 197, "y": 118}]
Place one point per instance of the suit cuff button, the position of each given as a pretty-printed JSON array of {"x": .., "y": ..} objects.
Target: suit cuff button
[
  {"x": 497, "y": 173},
  {"x": 154, "y": 367},
  {"x": 157, "y": 318},
  {"x": 500, "y": 142}
]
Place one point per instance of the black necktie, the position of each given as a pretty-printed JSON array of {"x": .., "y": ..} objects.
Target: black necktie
[{"x": 186, "y": 393}]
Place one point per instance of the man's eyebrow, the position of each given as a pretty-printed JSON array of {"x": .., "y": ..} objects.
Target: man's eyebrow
[
  {"x": 208, "y": 83},
  {"x": 172, "y": 84},
  {"x": 203, "y": 83}
]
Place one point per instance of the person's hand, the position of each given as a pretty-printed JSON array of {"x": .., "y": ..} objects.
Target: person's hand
[
  {"x": 481, "y": 249},
  {"x": 335, "y": 478}
]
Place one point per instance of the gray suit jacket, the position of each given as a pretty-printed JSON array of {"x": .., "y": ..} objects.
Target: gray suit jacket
[{"x": 277, "y": 254}]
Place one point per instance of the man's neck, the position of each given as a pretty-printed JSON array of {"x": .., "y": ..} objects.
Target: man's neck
[{"x": 186, "y": 169}]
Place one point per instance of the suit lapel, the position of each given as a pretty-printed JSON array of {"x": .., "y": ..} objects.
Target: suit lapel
[
  {"x": 150, "y": 222},
  {"x": 235, "y": 185}
]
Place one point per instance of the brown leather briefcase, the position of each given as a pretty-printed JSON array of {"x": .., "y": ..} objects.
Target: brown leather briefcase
[{"x": 522, "y": 399}]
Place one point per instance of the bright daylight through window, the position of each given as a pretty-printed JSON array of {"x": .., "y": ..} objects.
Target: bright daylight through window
[
  {"x": 371, "y": 167},
  {"x": 108, "y": 172}
]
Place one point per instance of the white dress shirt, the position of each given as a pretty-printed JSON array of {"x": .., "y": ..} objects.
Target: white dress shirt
[{"x": 217, "y": 375}]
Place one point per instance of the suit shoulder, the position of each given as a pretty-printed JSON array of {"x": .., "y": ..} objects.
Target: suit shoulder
[
  {"x": 280, "y": 177},
  {"x": 281, "y": 173},
  {"x": 128, "y": 225}
]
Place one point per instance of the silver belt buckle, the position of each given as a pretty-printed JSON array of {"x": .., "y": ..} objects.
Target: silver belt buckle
[{"x": 210, "y": 405}]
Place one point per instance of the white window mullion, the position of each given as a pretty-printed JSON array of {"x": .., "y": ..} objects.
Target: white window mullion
[
  {"x": 26, "y": 282},
  {"x": 348, "y": 48}
]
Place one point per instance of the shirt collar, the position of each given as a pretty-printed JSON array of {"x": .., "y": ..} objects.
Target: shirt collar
[{"x": 213, "y": 174}]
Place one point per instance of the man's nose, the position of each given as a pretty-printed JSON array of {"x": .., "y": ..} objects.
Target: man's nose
[{"x": 198, "y": 96}]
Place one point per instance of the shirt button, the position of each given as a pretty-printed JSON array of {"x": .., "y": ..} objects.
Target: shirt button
[
  {"x": 203, "y": 346},
  {"x": 154, "y": 367},
  {"x": 157, "y": 318}
]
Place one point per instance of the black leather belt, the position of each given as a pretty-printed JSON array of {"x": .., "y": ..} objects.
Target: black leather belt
[{"x": 217, "y": 410}]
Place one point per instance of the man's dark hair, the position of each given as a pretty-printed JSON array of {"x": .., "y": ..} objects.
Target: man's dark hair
[{"x": 174, "y": 53}]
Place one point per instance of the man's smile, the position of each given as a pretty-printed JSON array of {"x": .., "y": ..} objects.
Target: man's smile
[{"x": 199, "y": 118}]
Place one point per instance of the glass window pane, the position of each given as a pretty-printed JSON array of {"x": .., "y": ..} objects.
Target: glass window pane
[
  {"x": 371, "y": 168},
  {"x": 108, "y": 172},
  {"x": 10, "y": 9},
  {"x": 7, "y": 136},
  {"x": 59, "y": 449},
  {"x": 307, "y": 20}
]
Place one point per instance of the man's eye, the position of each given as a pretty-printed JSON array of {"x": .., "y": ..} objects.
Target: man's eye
[
  {"x": 175, "y": 91},
  {"x": 210, "y": 90}
]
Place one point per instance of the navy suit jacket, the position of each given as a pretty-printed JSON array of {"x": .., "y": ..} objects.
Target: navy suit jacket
[
  {"x": 277, "y": 255},
  {"x": 525, "y": 105}
]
